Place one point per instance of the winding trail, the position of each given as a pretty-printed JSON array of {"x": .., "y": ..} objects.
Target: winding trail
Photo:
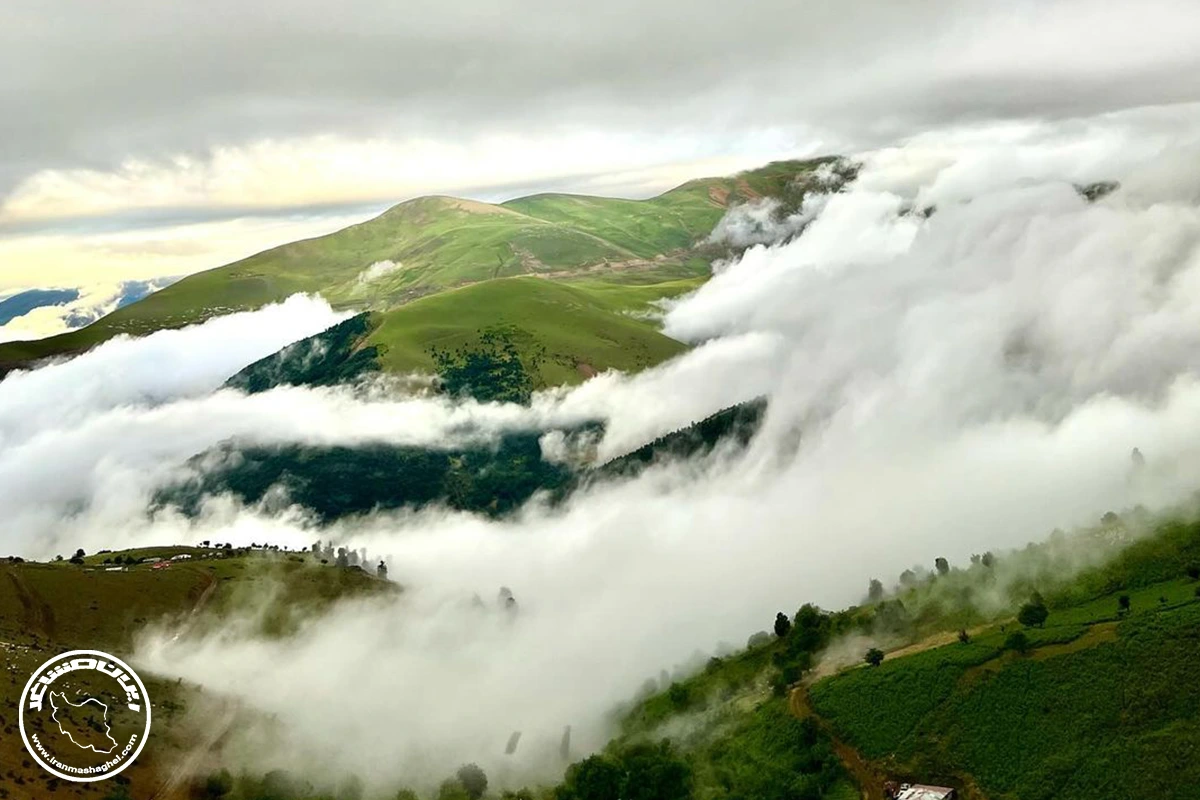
[
  {"x": 868, "y": 778},
  {"x": 177, "y": 779},
  {"x": 175, "y": 783},
  {"x": 38, "y": 615}
]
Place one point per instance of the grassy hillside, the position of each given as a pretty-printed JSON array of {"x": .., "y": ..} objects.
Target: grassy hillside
[
  {"x": 1099, "y": 702},
  {"x": 564, "y": 331},
  {"x": 49, "y": 608},
  {"x": 431, "y": 244}
]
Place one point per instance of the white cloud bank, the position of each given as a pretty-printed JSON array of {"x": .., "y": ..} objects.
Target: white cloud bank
[{"x": 938, "y": 386}]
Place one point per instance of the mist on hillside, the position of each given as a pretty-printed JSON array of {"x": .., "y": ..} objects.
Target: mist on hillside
[{"x": 959, "y": 351}]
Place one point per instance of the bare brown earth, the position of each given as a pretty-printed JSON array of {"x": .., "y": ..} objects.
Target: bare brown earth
[
  {"x": 719, "y": 195},
  {"x": 867, "y": 776}
]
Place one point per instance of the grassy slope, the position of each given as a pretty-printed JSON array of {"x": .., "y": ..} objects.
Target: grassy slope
[
  {"x": 563, "y": 330},
  {"x": 737, "y": 736},
  {"x": 1103, "y": 706},
  {"x": 46, "y": 609},
  {"x": 441, "y": 243}
]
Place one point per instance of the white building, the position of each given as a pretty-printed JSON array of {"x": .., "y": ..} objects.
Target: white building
[{"x": 919, "y": 791}]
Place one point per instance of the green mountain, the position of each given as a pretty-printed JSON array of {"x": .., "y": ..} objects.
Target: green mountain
[{"x": 583, "y": 260}]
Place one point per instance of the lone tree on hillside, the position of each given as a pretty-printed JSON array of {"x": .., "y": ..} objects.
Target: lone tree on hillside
[
  {"x": 473, "y": 780},
  {"x": 655, "y": 772},
  {"x": 987, "y": 559},
  {"x": 874, "y": 657},
  {"x": 679, "y": 695},
  {"x": 1123, "y": 604},
  {"x": 783, "y": 625},
  {"x": 964, "y": 637},
  {"x": 1017, "y": 641},
  {"x": 875, "y": 590},
  {"x": 1033, "y": 614},
  {"x": 943, "y": 566},
  {"x": 594, "y": 778}
]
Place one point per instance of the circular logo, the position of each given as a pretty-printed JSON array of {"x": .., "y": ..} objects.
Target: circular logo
[{"x": 84, "y": 715}]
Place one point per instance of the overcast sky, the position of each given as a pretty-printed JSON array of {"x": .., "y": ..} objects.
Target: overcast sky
[{"x": 141, "y": 138}]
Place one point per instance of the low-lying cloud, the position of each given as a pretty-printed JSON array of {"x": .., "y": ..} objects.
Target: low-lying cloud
[
  {"x": 939, "y": 385},
  {"x": 380, "y": 269}
]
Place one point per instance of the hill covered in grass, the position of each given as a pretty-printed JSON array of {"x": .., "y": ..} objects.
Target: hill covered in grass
[
  {"x": 1097, "y": 701},
  {"x": 103, "y": 600},
  {"x": 432, "y": 244}
]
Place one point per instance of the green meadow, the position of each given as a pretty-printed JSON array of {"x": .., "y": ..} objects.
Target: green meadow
[{"x": 431, "y": 245}]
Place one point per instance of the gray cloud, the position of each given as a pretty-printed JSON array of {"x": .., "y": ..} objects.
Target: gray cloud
[{"x": 87, "y": 85}]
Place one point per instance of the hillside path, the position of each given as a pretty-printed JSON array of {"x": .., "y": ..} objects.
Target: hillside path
[
  {"x": 176, "y": 780},
  {"x": 866, "y": 777}
]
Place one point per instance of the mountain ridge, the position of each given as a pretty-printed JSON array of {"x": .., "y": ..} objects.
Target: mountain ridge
[{"x": 435, "y": 243}]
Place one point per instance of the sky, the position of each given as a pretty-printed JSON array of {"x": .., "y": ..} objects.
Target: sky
[{"x": 147, "y": 140}]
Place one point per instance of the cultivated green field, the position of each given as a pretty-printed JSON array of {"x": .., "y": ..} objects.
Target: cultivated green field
[
  {"x": 1102, "y": 705},
  {"x": 432, "y": 244}
]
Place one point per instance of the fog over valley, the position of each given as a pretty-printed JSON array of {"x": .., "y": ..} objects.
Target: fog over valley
[{"x": 959, "y": 351}]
